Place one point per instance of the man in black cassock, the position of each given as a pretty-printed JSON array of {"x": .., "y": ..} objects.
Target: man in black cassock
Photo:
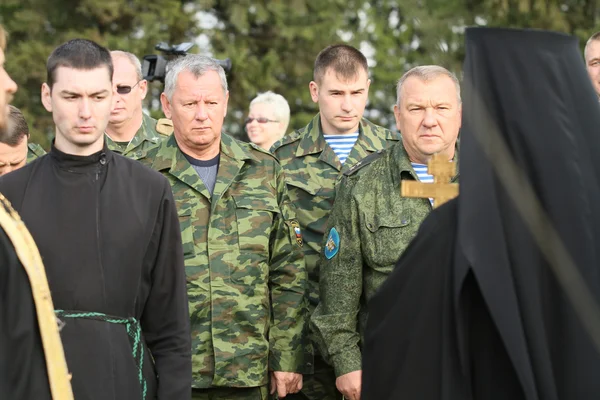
[
  {"x": 108, "y": 233},
  {"x": 473, "y": 309}
]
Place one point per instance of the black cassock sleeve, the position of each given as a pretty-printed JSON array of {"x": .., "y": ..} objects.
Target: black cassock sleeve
[
  {"x": 165, "y": 319},
  {"x": 23, "y": 372}
]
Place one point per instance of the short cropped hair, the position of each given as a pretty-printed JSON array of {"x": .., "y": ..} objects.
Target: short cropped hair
[
  {"x": 195, "y": 63},
  {"x": 17, "y": 128},
  {"x": 344, "y": 60},
  {"x": 427, "y": 73},
  {"x": 593, "y": 38},
  {"x": 132, "y": 58},
  {"x": 280, "y": 106},
  {"x": 78, "y": 54}
]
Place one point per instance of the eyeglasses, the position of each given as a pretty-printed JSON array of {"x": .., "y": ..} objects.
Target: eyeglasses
[
  {"x": 260, "y": 120},
  {"x": 126, "y": 89}
]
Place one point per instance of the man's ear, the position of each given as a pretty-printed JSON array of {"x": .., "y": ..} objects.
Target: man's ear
[
  {"x": 397, "y": 117},
  {"x": 166, "y": 105},
  {"x": 226, "y": 103},
  {"x": 314, "y": 91},
  {"x": 144, "y": 88},
  {"x": 46, "y": 97}
]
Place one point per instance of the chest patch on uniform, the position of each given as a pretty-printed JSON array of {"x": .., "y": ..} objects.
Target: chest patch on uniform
[
  {"x": 333, "y": 244},
  {"x": 297, "y": 232}
]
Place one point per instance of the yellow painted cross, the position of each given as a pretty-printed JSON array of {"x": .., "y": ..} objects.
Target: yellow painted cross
[{"x": 441, "y": 190}]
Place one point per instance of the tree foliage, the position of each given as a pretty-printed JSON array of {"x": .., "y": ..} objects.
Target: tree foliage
[
  {"x": 36, "y": 27},
  {"x": 273, "y": 43}
]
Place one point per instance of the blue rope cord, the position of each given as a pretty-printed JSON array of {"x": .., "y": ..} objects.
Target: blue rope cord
[{"x": 134, "y": 331}]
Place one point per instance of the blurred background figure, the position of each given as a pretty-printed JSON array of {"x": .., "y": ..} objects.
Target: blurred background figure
[
  {"x": 268, "y": 119},
  {"x": 13, "y": 145},
  {"x": 592, "y": 60}
]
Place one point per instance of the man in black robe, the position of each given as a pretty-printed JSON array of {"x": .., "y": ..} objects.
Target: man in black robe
[
  {"x": 497, "y": 297},
  {"x": 108, "y": 233}
]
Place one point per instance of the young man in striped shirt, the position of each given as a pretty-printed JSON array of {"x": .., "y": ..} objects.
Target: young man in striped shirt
[{"x": 313, "y": 158}]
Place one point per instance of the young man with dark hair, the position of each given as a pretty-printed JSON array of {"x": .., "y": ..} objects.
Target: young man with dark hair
[
  {"x": 107, "y": 229},
  {"x": 313, "y": 158}
]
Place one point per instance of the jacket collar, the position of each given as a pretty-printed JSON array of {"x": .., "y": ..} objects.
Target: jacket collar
[
  {"x": 171, "y": 157},
  {"x": 400, "y": 156},
  {"x": 313, "y": 140},
  {"x": 81, "y": 163}
]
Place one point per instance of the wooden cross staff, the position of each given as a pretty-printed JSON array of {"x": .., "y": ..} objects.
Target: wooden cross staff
[{"x": 441, "y": 190}]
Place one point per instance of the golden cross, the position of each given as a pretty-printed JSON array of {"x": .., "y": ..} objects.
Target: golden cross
[{"x": 441, "y": 190}]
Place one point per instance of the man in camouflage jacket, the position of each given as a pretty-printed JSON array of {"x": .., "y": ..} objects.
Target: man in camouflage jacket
[
  {"x": 130, "y": 132},
  {"x": 340, "y": 87},
  {"x": 371, "y": 224},
  {"x": 241, "y": 240}
]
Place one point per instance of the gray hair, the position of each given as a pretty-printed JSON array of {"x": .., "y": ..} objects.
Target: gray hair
[
  {"x": 593, "y": 38},
  {"x": 281, "y": 108},
  {"x": 132, "y": 58},
  {"x": 427, "y": 73},
  {"x": 195, "y": 63}
]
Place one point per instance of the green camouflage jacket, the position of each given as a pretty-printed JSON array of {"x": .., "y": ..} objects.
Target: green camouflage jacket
[
  {"x": 244, "y": 264},
  {"x": 145, "y": 138},
  {"x": 34, "y": 151},
  {"x": 369, "y": 228},
  {"x": 311, "y": 170}
]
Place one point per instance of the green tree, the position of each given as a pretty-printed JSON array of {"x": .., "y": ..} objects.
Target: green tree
[
  {"x": 36, "y": 27},
  {"x": 273, "y": 46}
]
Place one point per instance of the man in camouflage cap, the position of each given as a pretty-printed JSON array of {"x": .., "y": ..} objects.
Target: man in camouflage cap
[
  {"x": 314, "y": 157},
  {"x": 130, "y": 132},
  {"x": 371, "y": 225},
  {"x": 241, "y": 239}
]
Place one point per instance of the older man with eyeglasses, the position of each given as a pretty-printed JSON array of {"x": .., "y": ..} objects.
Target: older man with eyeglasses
[
  {"x": 130, "y": 132},
  {"x": 268, "y": 119}
]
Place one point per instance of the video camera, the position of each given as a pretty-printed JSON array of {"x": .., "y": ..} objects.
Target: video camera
[{"x": 154, "y": 65}]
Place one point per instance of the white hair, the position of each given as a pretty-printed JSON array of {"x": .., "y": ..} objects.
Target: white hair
[
  {"x": 195, "y": 63},
  {"x": 427, "y": 73},
  {"x": 281, "y": 108},
  {"x": 132, "y": 59}
]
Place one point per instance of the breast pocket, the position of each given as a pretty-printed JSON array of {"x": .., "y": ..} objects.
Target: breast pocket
[
  {"x": 254, "y": 218},
  {"x": 388, "y": 236}
]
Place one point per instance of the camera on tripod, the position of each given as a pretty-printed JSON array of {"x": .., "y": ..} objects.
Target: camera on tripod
[{"x": 154, "y": 65}]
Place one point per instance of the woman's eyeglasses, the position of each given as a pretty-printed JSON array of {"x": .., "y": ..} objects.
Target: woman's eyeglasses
[
  {"x": 260, "y": 120},
  {"x": 126, "y": 89}
]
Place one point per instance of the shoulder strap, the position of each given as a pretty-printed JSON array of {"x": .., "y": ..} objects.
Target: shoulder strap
[
  {"x": 364, "y": 162},
  {"x": 164, "y": 127},
  {"x": 27, "y": 251}
]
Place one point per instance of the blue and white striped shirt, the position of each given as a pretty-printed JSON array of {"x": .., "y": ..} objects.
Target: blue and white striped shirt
[
  {"x": 421, "y": 171},
  {"x": 341, "y": 144}
]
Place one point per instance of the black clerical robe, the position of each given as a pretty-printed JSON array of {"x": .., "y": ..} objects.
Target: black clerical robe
[
  {"x": 474, "y": 309},
  {"x": 107, "y": 230},
  {"x": 23, "y": 373}
]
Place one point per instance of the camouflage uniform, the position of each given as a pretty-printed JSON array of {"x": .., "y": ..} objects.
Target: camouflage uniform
[
  {"x": 254, "y": 393},
  {"x": 34, "y": 151},
  {"x": 374, "y": 225},
  {"x": 312, "y": 169},
  {"x": 244, "y": 265},
  {"x": 145, "y": 138}
]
